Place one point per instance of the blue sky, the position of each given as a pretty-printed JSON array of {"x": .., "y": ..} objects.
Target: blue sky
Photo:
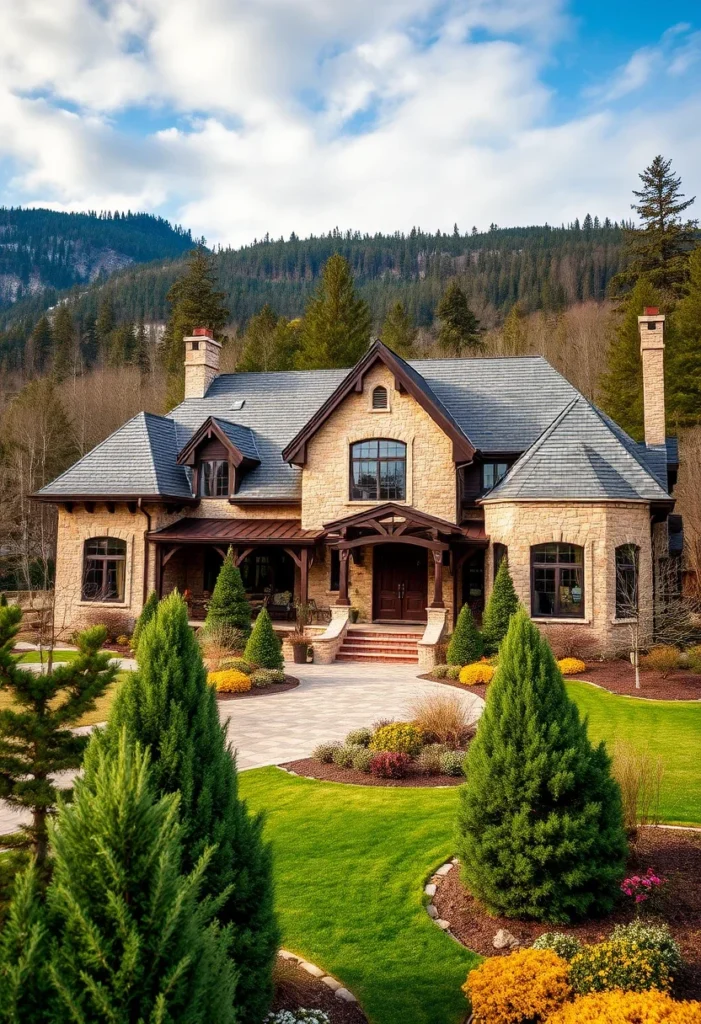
[{"x": 241, "y": 117}]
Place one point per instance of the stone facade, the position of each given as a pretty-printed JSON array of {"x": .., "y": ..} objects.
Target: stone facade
[
  {"x": 201, "y": 364},
  {"x": 599, "y": 528},
  {"x": 651, "y": 327}
]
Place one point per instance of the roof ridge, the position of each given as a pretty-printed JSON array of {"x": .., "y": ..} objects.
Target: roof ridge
[
  {"x": 150, "y": 443},
  {"x": 99, "y": 445}
]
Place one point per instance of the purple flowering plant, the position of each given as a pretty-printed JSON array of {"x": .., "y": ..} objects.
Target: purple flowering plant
[{"x": 643, "y": 888}]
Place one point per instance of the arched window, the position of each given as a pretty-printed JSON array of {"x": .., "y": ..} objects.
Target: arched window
[
  {"x": 214, "y": 478},
  {"x": 627, "y": 561},
  {"x": 557, "y": 581},
  {"x": 378, "y": 471},
  {"x": 104, "y": 564},
  {"x": 380, "y": 398}
]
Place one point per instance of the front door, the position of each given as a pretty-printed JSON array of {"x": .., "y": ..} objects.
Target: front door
[{"x": 400, "y": 579}]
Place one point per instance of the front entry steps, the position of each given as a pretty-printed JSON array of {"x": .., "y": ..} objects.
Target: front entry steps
[{"x": 373, "y": 645}]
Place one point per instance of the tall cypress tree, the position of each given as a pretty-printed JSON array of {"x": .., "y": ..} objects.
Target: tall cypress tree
[
  {"x": 399, "y": 331},
  {"x": 459, "y": 328},
  {"x": 168, "y": 706},
  {"x": 337, "y": 322},
  {"x": 540, "y": 822},
  {"x": 229, "y": 606},
  {"x": 135, "y": 939},
  {"x": 502, "y": 604},
  {"x": 264, "y": 647}
]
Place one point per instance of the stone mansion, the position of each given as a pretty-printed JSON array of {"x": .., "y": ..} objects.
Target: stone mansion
[{"x": 393, "y": 488}]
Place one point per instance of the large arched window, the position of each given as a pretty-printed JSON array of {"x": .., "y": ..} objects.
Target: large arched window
[
  {"x": 627, "y": 561},
  {"x": 104, "y": 564},
  {"x": 557, "y": 581},
  {"x": 378, "y": 471}
]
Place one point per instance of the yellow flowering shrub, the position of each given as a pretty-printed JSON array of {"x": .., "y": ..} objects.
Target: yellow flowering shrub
[
  {"x": 398, "y": 738},
  {"x": 571, "y": 666},
  {"x": 528, "y": 985},
  {"x": 479, "y": 672},
  {"x": 229, "y": 680},
  {"x": 627, "y": 1008},
  {"x": 619, "y": 963}
]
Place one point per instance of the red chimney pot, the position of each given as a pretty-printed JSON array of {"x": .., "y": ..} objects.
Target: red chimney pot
[
  {"x": 205, "y": 332},
  {"x": 651, "y": 310}
]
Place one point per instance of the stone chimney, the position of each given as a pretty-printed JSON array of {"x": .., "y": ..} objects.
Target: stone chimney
[
  {"x": 651, "y": 327},
  {"x": 201, "y": 362}
]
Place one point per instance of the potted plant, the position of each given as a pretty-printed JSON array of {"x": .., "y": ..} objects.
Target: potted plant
[
  {"x": 300, "y": 647},
  {"x": 353, "y": 614}
]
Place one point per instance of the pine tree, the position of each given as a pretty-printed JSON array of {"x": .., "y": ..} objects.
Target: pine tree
[
  {"x": 540, "y": 823},
  {"x": 502, "y": 604},
  {"x": 337, "y": 322},
  {"x": 466, "y": 643},
  {"x": 35, "y": 730},
  {"x": 229, "y": 606},
  {"x": 135, "y": 939},
  {"x": 147, "y": 613},
  {"x": 167, "y": 706},
  {"x": 264, "y": 647},
  {"x": 24, "y": 987},
  {"x": 459, "y": 327},
  {"x": 43, "y": 339},
  {"x": 622, "y": 384},
  {"x": 64, "y": 342},
  {"x": 259, "y": 341},
  {"x": 683, "y": 376},
  {"x": 195, "y": 302},
  {"x": 105, "y": 323},
  {"x": 514, "y": 333},
  {"x": 660, "y": 249},
  {"x": 399, "y": 331},
  {"x": 141, "y": 353}
]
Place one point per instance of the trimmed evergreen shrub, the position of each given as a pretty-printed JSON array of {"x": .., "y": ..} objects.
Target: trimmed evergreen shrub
[
  {"x": 147, "y": 613},
  {"x": 324, "y": 752},
  {"x": 466, "y": 642},
  {"x": 229, "y": 605},
  {"x": 501, "y": 606},
  {"x": 264, "y": 648},
  {"x": 168, "y": 706},
  {"x": 134, "y": 938},
  {"x": 361, "y": 737},
  {"x": 267, "y": 676},
  {"x": 540, "y": 822}
]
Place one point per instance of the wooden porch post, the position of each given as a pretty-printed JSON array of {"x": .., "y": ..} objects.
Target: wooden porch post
[
  {"x": 437, "y": 601},
  {"x": 159, "y": 570},
  {"x": 304, "y": 576},
  {"x": 343, "y": 577}
]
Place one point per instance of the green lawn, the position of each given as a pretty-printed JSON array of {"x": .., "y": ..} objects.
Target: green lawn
[
  {"x": 34, "y": 657},
  {"x": 670, "y": 729},
  {"x": 102, "y": 704},
  {"x": 350, "y": 863}
]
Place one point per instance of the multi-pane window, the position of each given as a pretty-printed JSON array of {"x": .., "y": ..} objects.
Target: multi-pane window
[
  {"x": 104, "y": 564},
  {"x": 214, "y": 479},
  {"x": 492, "y": 473},
  {"x": 378, "y": 471},
  {"x": 627, "y": 556},
  {"x": 557, "y": 581}
]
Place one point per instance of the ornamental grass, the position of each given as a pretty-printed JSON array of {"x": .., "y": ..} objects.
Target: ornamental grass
[
  {"x": 529, "y": 985},
  {"x": 229, "y": 680},
  {"x": 627, "y": 1008},
  {"x": 571, "y": 666}
]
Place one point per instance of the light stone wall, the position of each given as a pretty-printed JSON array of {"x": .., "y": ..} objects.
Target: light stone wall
[
  {"x": 431, "y": 481},
  {"x": 597, "y": 527}
]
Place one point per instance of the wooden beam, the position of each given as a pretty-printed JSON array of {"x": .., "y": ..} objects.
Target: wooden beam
[
  {"x": 343, "y": 578},
  {"x": 90, "y": 507},
  {"x": 361, "y": 542},
  {"x": 111, "y": 507},
  {"x": 132, "y": 506},
  {"x": 240, "y": 555},
  {"x": 304, "y": 577},
  {"x": 159, "y": 570},
  {"x": 220, "y": 551},
  {"x": 379, "y": 527},
  {"x": 169, "y": 554},
  {"x": 294, "y": 556},
  {"x": 437, "y": 601},
  {"x": 68, "y": 507}
]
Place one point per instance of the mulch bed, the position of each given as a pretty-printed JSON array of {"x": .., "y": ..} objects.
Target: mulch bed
[
  {"x": 261, "y": 691},
  {"x": 675, "y": 855},
  {"x": 619, "y": 677},
  {"x": 297, "y": 990},
  {"x": 311, "y": 768}
]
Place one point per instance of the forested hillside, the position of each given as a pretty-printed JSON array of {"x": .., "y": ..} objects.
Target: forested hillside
[{"x": 44, "y": 250}]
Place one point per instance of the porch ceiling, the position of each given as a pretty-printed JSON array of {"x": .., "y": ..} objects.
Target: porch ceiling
[{"x": 251, "y": 532}]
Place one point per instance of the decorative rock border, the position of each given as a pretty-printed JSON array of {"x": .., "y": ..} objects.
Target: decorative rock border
[
  {"x": 316, "y": 972},
  {"x": 430, "y": 890}
]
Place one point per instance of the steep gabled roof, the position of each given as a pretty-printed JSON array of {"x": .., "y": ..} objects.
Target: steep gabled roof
[
  {"x": 238, "y": 440},
  {"x": 580, "y": 456},
  {"x": 138, "y": 459},
  {"x": 406, "y": 377}
]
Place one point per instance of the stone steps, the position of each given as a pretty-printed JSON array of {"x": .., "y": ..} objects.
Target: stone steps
[{"x": 368, "y": 646}]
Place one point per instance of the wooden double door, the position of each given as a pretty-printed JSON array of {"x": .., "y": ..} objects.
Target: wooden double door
[{"x": 400, "y": 582}]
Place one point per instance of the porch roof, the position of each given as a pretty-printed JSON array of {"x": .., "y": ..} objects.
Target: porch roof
[
  {"x": 251, "y": 532},
  {"x": 393, "y": 522}
]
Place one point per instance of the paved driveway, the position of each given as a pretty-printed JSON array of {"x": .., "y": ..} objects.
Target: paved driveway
[{"x": 329, "y": 702}]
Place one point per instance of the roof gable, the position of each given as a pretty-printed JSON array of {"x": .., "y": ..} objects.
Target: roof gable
[
  {"x": 238, "y": 441},
  {"x": 407, "y": 378}
]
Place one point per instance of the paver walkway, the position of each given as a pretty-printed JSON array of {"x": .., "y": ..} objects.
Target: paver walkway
[{"x": 329, "y": 702}]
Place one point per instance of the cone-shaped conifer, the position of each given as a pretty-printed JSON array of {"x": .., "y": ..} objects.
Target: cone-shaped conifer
[
  {"x": 540, "y": 824},
  {"x": 264, "y": 647},
  {"x": 501, "y": 606},
  {"x": 147, "y": 613},
  {"x": 466, "y": 642},
  {"x": 24, "y": 987},
  {"x": 229, "y": 605},
  {"x": 135, "y": 937},
  {"x": 168, "y": 706}
]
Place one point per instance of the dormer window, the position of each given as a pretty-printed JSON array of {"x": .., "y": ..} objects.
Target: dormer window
[
  {"x": 214, "y": 478},
  {"x": 380, "y": 398}
]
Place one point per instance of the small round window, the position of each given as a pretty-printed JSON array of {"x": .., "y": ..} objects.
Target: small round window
[{"x": 380, "y": 398}]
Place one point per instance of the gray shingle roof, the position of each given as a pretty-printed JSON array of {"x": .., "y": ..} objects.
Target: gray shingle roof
[
  {"x": 580, "y": 456},
  {"x": 241, "y": 437}
]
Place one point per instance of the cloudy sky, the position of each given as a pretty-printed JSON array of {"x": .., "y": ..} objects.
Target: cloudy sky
[{"x": 241, "y": 117}]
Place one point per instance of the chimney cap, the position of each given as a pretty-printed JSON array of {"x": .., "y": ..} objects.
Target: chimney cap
[
  {"x": 206, "y": 332},
  {"x": 649, "y": 311}
]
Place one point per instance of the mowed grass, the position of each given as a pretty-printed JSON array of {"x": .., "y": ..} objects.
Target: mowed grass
[
  {"x": 668, "y": 729},
  {"x": 350, "y": 865},
  {"x": 102, "y": 705},
  {"x": 34, "y": 657}
]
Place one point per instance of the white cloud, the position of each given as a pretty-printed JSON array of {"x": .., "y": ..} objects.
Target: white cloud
[{"x": 304, "y": 114}]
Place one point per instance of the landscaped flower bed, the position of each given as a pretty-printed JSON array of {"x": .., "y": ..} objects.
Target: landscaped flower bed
[{"x": 297, "y": 991}]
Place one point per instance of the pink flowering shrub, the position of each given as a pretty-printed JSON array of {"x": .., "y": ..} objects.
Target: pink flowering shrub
[
  {"x": 388, "y": 765},
  {"x": 642, "y": 888}
]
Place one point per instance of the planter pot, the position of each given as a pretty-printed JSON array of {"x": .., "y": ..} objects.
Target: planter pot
[
  {"x": 353, "y": 615},
  {"x": 299, "y": 654}
]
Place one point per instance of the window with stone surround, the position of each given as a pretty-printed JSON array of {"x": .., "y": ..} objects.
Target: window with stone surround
[
  {"x": 627, "y": 561},
  {"x": 557, "y": 581},
  {"x": 104, "y": 567},
  {"x": 378, "y": 470}
]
